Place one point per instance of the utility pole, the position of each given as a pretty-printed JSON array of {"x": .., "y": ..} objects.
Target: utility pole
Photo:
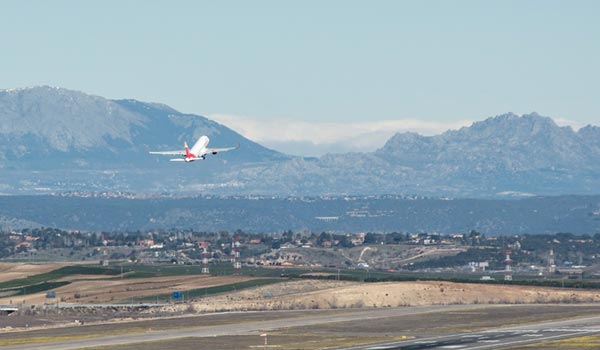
[{"x": 508, "y": 270}]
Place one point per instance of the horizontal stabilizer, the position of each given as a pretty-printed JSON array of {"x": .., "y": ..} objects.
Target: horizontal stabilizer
[{"x": 169, "y": 153}]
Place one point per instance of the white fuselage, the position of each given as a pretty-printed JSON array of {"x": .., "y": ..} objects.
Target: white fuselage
[{"x": 198, "y": 150}]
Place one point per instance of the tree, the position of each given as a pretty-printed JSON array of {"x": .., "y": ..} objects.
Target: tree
[
  {"x": 324, "y": 237},
  {"x": 346, "y": 242},
  {"x": 372, "y": 238},
  {"x": 287, "y": 236}
]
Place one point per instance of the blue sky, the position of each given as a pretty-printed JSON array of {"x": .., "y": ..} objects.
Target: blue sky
[{"x": 254, "y": 64}]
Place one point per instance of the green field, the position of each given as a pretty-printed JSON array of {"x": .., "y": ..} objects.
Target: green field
[
  {"x": 34, "y": 288},
  {"x": 57, "y": 274},
  {"x": 47, "y": 281},
  {"x": 208, "y": 291}
]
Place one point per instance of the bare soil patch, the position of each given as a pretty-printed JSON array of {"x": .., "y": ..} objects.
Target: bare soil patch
[
  {"x": 114, "y": 290},
  {"x": 311, "y": 294},
  {"x": 13, "y": 271}
]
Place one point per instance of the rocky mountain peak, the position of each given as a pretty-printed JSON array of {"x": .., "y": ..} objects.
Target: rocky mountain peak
[
  {"x": 63, "y": 119},
  {"x": 65, "y": 126}
]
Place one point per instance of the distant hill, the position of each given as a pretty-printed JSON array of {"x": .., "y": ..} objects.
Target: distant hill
[
  {"x": 574, "y": 214},
  {"x": 56, "y": 140}
]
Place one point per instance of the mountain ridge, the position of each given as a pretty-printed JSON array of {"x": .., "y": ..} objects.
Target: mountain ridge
[
  {"x": 55, "y": 140},
  {"x": 503, "y": 154},
  {"x": 59, "y": 122}
]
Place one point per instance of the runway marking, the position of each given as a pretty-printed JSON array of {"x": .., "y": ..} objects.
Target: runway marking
[
  {"x": 523, "y": 331},
  {"x": 559, "y": 336},
  {"x": 452, "y": 347},
  {"x": 554, "y": 330},
  {"x": 572, "y": 329}
]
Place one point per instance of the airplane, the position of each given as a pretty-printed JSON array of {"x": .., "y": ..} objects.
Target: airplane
[{"x": 197, "y": 152}]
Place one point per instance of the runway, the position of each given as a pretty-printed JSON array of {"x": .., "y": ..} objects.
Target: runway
[
  {"x": 496, "y": 338},
  {"x": 489, "y": 339},
  {"x": 237, "y": 328}
]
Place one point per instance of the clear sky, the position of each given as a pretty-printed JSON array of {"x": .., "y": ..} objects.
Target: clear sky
[{"x": 315, "y": 62}]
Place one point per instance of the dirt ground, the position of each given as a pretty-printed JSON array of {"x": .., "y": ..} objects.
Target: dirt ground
[
  {"x": 91, "y": 289},
  {"x": 316, "y": 294},
  {"x": 379, "y": 256},
  {"x": 12, "y": 271}
]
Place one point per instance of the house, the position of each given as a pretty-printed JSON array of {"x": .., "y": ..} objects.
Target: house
[
  {"x": 287, "y": 246},
  {"x": 146, "y": 242},
  {"x": 359, "y": 239},
  {"x": 26, "y": 245}
]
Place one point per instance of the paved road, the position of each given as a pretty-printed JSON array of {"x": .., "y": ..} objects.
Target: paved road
[
  {"x": 238, "y": 328},
  {"x": 498, "y": 338}
]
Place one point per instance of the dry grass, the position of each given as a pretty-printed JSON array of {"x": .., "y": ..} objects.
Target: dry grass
[
  {"x": 13, "y": 271},
  {"x": 310, "y": 294}
]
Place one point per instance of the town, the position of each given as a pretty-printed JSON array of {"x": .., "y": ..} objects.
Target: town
[{"x": 565, "y": 254}]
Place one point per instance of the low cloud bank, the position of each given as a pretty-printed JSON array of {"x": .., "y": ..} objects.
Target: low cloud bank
[{"x": 317, "y": 138}]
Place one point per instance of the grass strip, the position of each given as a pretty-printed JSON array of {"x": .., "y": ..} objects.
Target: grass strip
[
  {"x": 203, "y": 292},
  {"x": 56, "y": 274},
  {"x": 35, "y": 288}
]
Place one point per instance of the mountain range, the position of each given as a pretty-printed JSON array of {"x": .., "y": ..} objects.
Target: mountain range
[
  {"x": 56, "y": 140},
  {"x": 503, "y": 155}
]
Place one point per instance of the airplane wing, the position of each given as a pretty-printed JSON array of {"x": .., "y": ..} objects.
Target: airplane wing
[
  {"x": 218, "y": 150},
  {"x": 169, "y": 153}
]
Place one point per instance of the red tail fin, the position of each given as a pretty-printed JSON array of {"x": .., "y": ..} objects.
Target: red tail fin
[{"x": 187, "y": 150}]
